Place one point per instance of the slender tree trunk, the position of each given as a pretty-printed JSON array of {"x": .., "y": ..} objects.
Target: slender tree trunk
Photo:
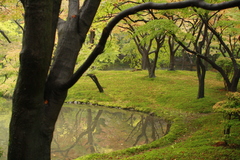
[
  {"x": 95, "y": 80},
  {"x": 172, "y": 62},
  {"x": 235, "y": 80},
  {"x": 145, "y": 61},
  {"x": 201, "y": 72},
  {"x": 159, "y": 42},
  {"x": 151, "y": 72},
  {"x": 172, "y": 53},
  {"x": 153, "y": 67}
]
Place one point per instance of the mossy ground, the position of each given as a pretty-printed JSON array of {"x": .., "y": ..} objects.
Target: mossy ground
[{"x": 196, "y": 132}]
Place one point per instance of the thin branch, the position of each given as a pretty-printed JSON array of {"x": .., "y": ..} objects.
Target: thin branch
[
  {"x": 19, "y": 25},
  {"x": 5, "y": 36}
]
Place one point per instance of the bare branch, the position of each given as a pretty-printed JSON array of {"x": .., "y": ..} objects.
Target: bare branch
[
  {"x": 5, "y": 36},
  {"x": 19, "y": 25}
]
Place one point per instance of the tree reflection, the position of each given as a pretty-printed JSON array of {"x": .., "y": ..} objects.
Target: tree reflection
[
  {"x": 140, "y": 130},
  {"x": 81, "y": 131},
  {"x": 74, "y": 131}
]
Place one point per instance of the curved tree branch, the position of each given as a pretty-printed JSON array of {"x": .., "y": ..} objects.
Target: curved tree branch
[{"x": 150, "y": 5}]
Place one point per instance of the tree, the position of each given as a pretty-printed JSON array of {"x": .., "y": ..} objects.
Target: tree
[
  {"x": 149, "y": 30},
  {"x": 38, "y": 96},
  {"x": 200, "y": 41},
  {"x": 229, "y": 48},
  {"x": 40, "y": 89}
]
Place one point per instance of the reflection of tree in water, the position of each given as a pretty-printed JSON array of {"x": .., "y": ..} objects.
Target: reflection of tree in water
[
  {"x": 155, "y": 125},
  {"x": 91, "y": 126},
  {"x": 76, "y": 137},
  {"x": 84, "y": 131}
]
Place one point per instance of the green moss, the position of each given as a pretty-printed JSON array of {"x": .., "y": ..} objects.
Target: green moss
[{"x": 195, "y": 129}]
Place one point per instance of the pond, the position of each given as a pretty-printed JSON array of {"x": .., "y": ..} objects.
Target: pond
[{"x": 84, "y": 129}]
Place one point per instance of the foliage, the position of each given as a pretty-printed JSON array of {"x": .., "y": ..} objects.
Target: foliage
[
  {"x": 11, "y": 29},
  {"x": 231, "y": 112},
  {"x": 131, "y": 55},
  {"x": 229, "y": 22},
  {"x": 163, "y": 57},
  {"x": 226, "y": 64},
  {"x": 4, "y": 120},
  {"x": 10, "y": 9},
  {"x": 9, "y": 58},
  {"x": 108, "y": 57},
  {"x": 156, "y": 28}
]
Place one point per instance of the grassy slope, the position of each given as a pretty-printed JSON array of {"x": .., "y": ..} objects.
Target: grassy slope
[{"x": 171, "y": 94}]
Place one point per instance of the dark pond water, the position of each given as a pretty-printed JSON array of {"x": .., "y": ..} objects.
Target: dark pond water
[{"x": 83, "y": 129}]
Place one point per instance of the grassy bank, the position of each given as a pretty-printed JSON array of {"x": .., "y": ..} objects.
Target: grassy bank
[{"x": 196, "y": 130}]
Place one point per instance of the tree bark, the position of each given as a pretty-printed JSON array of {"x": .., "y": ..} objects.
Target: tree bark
[
  {"x": 30, "y": 136},
  {"x": 152, "y": 69},
  {"x": 95, "y": 80},
  {"x": 233, "y": 83},
  {"x": 215, "y": 66},
  {"x": 235, "y": 80},
  {"x": 159, "y": 42},
  {"x": 37, "y": 100},
  {"x": 172, "y": 53},
  {"x": 172, "y": 62},
  {"x": 201, "y": 72},
  {"x": 145, "y": 60}
]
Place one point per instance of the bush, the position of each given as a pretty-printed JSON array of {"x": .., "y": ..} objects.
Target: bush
[
  {"x": 231, "y": 112},
  {"x": 226, "y": 64}
]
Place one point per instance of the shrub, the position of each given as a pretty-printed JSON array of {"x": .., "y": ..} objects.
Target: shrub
[
  {"x": 226, "y": 64},
  {"x": 231, "y": 111}
]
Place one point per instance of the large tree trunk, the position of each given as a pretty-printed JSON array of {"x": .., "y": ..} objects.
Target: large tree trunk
[
  {"x": 30, "y": 132},
  {"x": 37, "y": 100}
]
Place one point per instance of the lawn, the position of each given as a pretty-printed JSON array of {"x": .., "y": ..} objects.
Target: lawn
[{"x": 196, "y": 132}]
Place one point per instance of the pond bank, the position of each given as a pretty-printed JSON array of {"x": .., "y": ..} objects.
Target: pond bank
[
  {"x": 83, "y": 129},
  {"x": 195, "y": 129}
]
